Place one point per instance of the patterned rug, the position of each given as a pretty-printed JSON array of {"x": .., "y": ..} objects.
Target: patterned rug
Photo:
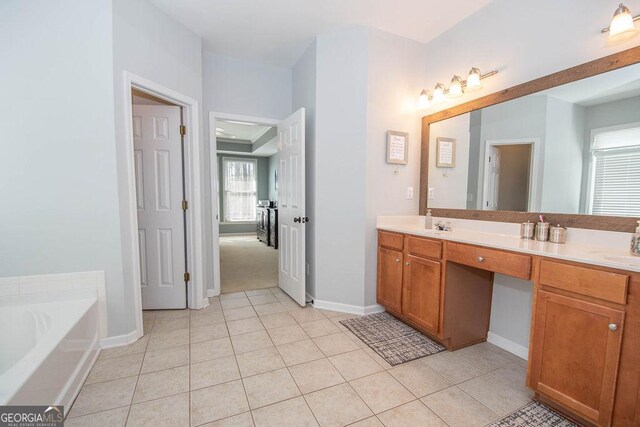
[
  {"x": 393, "y": 340},
  {"x": 535, "y": 414}
]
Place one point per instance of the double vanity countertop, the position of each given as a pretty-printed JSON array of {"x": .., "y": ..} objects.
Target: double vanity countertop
[{"x": 617, "y": 256}]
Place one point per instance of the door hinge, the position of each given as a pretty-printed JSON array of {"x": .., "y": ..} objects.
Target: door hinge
[
  {"x": 185, "y": 205},
  {"x": 187, "y": 276},
  {"x": 183, "y": 130}
]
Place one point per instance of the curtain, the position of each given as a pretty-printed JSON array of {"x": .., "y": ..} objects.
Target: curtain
[{"x": 240, "y": 198}]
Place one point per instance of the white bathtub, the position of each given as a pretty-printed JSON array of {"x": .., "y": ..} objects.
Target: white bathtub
[{"x": 46, "y": 351}]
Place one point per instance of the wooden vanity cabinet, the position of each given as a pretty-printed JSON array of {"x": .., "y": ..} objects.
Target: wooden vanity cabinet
[
  {"x": 421, "y": 292},
  {"x": 575, "y": 354},
  {"x": 409, "y": 279},
  {"x": 389, "y": 293}
]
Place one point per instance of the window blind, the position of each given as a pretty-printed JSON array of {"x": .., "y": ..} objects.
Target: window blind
[
  {"x": 616, "y": 182},
  {"x": 240, "y": 198}
]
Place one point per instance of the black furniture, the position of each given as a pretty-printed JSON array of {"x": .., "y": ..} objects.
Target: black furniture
[
  {"x": 262, "y": 215},
  {"x": 273, "y": 227}
]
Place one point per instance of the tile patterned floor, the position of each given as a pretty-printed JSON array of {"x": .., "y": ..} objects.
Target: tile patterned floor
[{"x": 256, "y": 358}]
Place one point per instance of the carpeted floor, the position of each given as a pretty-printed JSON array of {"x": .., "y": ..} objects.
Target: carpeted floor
[{"x": 246, "y": 264}]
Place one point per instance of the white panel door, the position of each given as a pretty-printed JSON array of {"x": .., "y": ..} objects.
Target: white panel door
[
  {"x": 159, "y": 195},
  {"x": 291, "y": 207},
  {"x": 492, "y": 179}
]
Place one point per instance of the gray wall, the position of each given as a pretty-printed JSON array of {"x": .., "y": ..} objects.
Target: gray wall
[
  {"x": 304, "y": 96},
  {"x": 340, "y": 166},
  {"x": 59, "y": 184},
  {"x": 262, "y": 176}
]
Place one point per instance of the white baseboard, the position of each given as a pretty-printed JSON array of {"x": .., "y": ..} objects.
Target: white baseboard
[
  {"x": 347, "y": 308},
  {"x": 119, "y": 340},
  {"x": 508, "y": 345},
  {"x": 211, "y": 293}
]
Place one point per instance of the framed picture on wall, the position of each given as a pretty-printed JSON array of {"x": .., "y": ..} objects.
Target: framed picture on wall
[
  {"x": 445, "y": 152},
  {"x": 275, "y": 179},
  {"x": 397, "y": 147}
]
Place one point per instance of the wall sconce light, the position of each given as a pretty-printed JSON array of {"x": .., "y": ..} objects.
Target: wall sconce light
[
  {"x": 456, "y": 89},
  {"x": 622, "y": 25}
]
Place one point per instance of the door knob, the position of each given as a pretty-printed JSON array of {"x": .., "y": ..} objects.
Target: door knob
[
  {"x": 480, "y": 259},
  {"x": 613, "y": 327},
  {"x": 305, "y": 219},
  {"x": 297, "y": 219}
]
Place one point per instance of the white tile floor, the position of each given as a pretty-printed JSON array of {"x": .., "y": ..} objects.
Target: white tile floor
[{"x": 257, "y": 358}]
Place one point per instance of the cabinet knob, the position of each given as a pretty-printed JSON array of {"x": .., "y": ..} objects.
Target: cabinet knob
[
  {"x": 480, "y": 259},
  {"x": 407, "y": 263},
  {"x": 613, "y": 327},
  {"x": 397, "y": 259}
]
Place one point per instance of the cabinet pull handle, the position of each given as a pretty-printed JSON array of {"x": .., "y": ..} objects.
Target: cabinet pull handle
[
  {"x": 613, "y": 327},
  {"x": 397, "y": 259},
  {"x": 480, "y": 259}
]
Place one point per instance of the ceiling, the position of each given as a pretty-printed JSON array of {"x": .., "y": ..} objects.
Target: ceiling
[
  {"x": 607, "y": 87},
  {"x": 244, "y": 132},
  {"x": 278, "y": 31}
]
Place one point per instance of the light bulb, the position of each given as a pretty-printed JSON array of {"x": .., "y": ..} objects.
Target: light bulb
[
  {"x": 423, "y": 100},
  {"x": 438, "y": 93},
  {"x": 455, "y": 89},
  {"x": 473, "y": 80},
  {"x": 622, "y": 23}
]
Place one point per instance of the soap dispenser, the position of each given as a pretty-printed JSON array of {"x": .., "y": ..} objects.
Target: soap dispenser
[
  {"x": 428, "y": 221},
  {"x": 635, "y": 241}
]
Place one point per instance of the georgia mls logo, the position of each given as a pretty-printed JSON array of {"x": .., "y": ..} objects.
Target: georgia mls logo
[{"x": 31, "y": 416}]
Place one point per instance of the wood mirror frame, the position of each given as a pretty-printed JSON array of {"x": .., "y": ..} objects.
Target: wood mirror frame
[{"x": 579, "y": 72}]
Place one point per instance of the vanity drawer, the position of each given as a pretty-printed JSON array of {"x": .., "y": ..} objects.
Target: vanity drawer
[
  {"x": 390, "y": 240},
  {"x": 603, "y": 285},
  {"x": 490, "y": 259},
  {"x": 425, "y": 248}
]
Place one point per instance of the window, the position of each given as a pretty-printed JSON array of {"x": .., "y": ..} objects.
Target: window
[
  {"x": 615, "y": 185},
  {"x": 240, "y": 199}
]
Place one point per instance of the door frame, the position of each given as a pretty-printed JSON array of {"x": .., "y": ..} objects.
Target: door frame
[
  {"x": 194, "y": 227},
  {"x": 213, "y": 167},
  {"x": 535, "y": 165}
]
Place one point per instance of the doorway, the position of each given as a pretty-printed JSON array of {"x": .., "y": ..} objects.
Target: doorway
[
  {"x": 160, "y": 201},
  {"x": 246, "y": 160},
  {"x": 193, "y": 220},
  {"x": 510, "y": 175},
  {"x": 236, "y": 203}
]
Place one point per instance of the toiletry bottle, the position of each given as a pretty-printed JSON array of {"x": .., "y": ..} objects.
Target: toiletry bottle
[
  {"x": 428, "y": 220},
  {"x": 635, "y": 241}
]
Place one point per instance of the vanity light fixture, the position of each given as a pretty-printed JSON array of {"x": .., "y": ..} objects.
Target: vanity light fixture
[
  {"x": 457, "y": 88},
  {"x": 622, "y": 25},
  {"x": 438, "y": 93}
]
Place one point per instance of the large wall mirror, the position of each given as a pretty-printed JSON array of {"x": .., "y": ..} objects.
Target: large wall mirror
[{"x": 571, "y": 148}]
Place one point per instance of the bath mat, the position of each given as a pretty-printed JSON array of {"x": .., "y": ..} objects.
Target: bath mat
[
  {"x": 535, "y": 414},
  {"x": 393, "y": 340}
]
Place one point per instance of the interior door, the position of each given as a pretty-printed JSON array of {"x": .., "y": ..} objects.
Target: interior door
[
  {"x": 291, "y": 206},
  {"x": 492, "y": 179},
  {"x": 159, "y": 194}
]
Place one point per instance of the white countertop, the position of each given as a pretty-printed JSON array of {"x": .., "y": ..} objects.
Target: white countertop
[{"x": 592, "y": 253}]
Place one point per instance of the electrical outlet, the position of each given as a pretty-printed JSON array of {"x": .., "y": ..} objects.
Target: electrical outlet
[
  {"x": 306, "y": 267},
  {"x": 409, "y": 193},
  {"x": 431, "y": 193}
]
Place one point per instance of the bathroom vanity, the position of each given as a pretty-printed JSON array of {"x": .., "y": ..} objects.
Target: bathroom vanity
[{"x": 584, "y": 348}]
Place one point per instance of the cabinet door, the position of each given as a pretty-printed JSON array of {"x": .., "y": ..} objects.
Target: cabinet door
[
  {"x": 390, "y": 279},
  {"x": 421, "y": 297},
  {"x": 576, "y": 348}
]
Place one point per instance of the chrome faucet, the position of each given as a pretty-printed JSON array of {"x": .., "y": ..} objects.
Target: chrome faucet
[{"x": 443, "y": 226}]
